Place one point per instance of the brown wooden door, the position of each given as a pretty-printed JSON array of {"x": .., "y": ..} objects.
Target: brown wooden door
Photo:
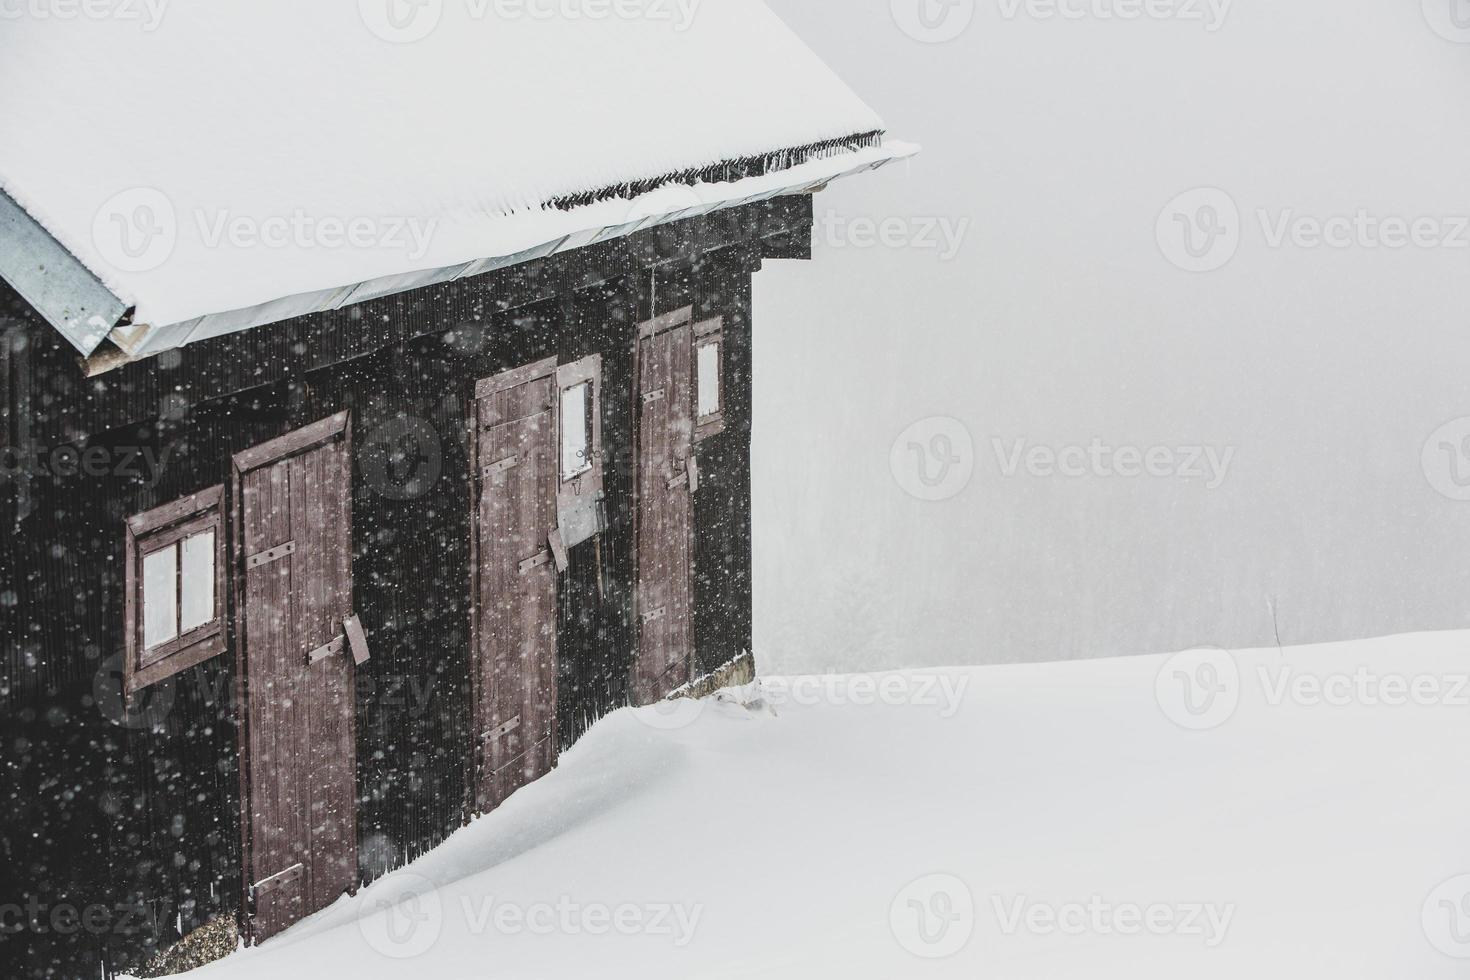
[
  {"x": 667, "y": 478},
  {"x": 294, "y": 536},
  {"x": 515, "y": 582}
]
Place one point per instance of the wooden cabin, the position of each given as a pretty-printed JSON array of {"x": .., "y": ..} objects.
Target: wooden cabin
[{"x": 315, "y": 553}]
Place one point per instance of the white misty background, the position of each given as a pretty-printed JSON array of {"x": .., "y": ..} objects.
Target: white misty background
[{"x": 1060, "y": 321}]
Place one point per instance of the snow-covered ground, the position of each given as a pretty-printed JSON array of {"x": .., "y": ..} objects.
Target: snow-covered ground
[{"x": 1263, "y": 814}]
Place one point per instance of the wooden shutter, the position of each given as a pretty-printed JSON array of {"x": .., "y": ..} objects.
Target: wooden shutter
[{"x": 579, "y": 499}]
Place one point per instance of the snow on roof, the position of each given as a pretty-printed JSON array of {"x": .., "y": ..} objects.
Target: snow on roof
[{"x": 204, "y": 158}]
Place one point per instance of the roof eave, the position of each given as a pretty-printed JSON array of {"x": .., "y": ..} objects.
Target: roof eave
[
  {"x": 54, "y": 282},
  {"x": 138, "y": 342}
]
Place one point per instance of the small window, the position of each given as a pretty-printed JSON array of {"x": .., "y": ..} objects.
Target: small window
[
  {"x": 179, "y": 589},
  {"x": 175, "y": 588},
  {"x": 576, "y": 430},
  {"x": 709, "y": 378}
]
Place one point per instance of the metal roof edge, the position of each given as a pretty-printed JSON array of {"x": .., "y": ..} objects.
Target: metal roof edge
[
  {"x": 54, "y": 282},
  {"x": 157, "y": 339}
]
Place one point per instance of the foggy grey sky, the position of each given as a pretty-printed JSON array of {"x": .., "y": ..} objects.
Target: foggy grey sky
[{"x": 1057, "y": 314}]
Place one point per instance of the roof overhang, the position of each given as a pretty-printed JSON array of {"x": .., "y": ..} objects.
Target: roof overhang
[{"x": 74, "y": 301}]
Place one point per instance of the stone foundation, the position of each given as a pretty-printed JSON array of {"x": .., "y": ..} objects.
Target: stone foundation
[
  {"x": 736, "y": 673},
  {"x": 212, "y": 941}
]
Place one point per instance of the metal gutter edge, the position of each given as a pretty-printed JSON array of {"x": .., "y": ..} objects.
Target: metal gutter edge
[{"x": 54, "y": 282}]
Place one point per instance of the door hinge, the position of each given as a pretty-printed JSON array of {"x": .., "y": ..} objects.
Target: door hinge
[
  {"x": 656, "y": 615},
  {"x": 502, "y": 466},
  {"x": 502, "y": 730},
  {"x": 278, "y": 880},
  {"x": 276, "y": 553},
  {"x": 657, "y": 395}
]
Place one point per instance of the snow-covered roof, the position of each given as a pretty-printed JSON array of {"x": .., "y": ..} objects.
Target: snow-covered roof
[{"x": 218, "y": 164}]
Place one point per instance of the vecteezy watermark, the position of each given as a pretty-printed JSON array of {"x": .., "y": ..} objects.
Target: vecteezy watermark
[
  {"x": 139, "y": 229},
  {"x": 1199, "y": 689},
  {"x": 136, "y": 230},
  {"x": 143, "y": 464},
  {"x": 1446, "y": 918},
  {"x": 144, "y": 710},
  {"x": 676, "y": 922},
  {"x": 1362, "y": 687},
  {"x": 671, "y": 714},
  {"x": 1446, "y": 459},
  {"x": 678, "y": 14},
  {"x": 302, "y": 230},
  {"x": 1202, "y": 689},
  {"x": 933, "y": 917},
  {"x": 1100, "y": 460},
  {"x": 1206, "y": 922},
  {"x": 1210, "y": 13},
  {"x": 413, "y": 694},
  {"x": 1363, "y": 229},
  {"x": 942, "y": 236},
  {"x": 404, "y": 915},
  {"x": 933, "y": 459},
  {"x": 1199, "y": 231},
  {"x": 933, "y": 21},
  {"x": 147, "y": 14},
  {"x": 401, "y": 916},
  {"x": 401, "y": 21},
  {"x": 38, "y": 917},
  {"x": 408, "y": 21},
  {"x": 944, "y": 692},
  {"x": 1450, "y": 19},
  {"x": 402, "y": 459}
]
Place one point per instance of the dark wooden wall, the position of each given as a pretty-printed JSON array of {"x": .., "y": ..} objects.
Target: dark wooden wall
[{"x": 137, "y": 811}]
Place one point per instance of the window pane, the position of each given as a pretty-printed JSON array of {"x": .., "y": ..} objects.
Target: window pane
[
  {"x": 160, "y": 596},
  {"x": 576, "y": 430},
  {"x": 197, "y": 607},
  {"x": 709, "y": 380}
]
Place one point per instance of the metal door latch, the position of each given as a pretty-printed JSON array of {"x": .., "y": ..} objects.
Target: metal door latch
[
  {"x": 542, "y": 557},
  {"x": 331, "y": 649}
]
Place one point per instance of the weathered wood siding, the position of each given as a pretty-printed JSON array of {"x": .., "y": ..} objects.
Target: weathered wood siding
[{"x": 138, "y": 811}]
